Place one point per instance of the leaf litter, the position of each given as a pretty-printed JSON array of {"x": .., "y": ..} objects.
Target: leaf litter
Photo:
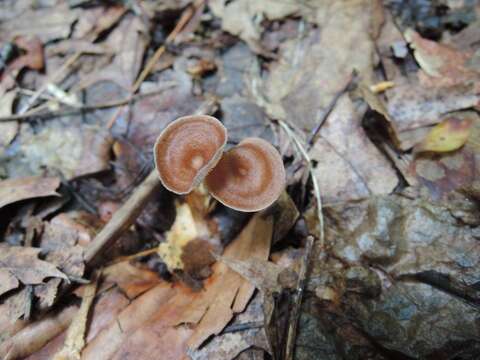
[{"x": 373, "y": 106}]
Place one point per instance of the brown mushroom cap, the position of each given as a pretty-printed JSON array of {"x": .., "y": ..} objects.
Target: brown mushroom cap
[
  {"x": 249, "y": 177},
  {"x": 187, "y": 149}
]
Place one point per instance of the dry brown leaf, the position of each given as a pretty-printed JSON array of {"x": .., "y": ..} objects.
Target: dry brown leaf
[
  {"x": 74, "y": 150},
  {"x": 240, "y": 17},
  {"x": 133, "y": 280},
  {"x": 34, "y": 336},
  {"x": 32, "y": 57},
  {"x": 75, "y": 339},
  {"x": 445, "y": 64},
  {"x": 48, "y": 23},
  {"x": 352, "y": 169},
  {"x": 129, "y": 39},
  {"x": 96, "y": 20},
  {"x": 133, "y": 317},
  {"x": 245, "y": 331},
  {"x": 314, "y": 68},
  {"x": 168, "y": 319},
  {"x": 14, "y": 190},
  {"x": 21, "y": 264},
  {"x": 228, "y": 294},
  {"x": 412, "y": 107}
]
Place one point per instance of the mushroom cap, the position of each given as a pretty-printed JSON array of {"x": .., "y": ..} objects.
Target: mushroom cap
[
  {"x": 187, "y": 149},
  {"x": 249, "y": 177}
]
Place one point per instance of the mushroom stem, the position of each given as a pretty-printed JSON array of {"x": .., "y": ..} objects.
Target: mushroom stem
[{"x": 123, "y": 218}]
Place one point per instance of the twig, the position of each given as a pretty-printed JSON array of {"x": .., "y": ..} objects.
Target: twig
[
  {"x": 57, "y": 75},
  {"x": 107, "y": 105},
  {"x": 329, "y": 110},
  {"x": 184, "y": 19},
  {"x": 298, "y": 297},
  {"x": 123, "y": 218}
]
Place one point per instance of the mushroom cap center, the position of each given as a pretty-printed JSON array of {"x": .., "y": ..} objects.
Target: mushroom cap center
[{"x": 197, "y": 162}]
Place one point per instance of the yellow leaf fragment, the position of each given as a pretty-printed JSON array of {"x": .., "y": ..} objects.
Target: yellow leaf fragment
[
  {"x": 381, "y": 86},
  {"x": 451, "y": 134},
  {"x": 75, "y": 339}
]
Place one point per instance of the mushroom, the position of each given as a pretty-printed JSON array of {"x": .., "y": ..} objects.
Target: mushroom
[
  {"x": 187, "y": 149},
  {"x": 249, "y": 177}
]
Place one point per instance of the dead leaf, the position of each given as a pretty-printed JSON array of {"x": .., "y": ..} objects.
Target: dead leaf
[
  {"x": 19, "y": 303},
  {"x": 75, "y": 339},
  {"x": 130, "y": 40},
  {"x": 253, "y": 242},
  {"x": 244, "y": 332},
  {"x": 412, "y": 106},
  {"x": 349, "y": 170},
  {"x": 240, "y": 17},
  {"x": 449, "y": 135},
  {"x": 32, "y": 58},
  {"x": 447, "y": 65},
  {"x": 74, "y": 150},
  {"x": 170, "y": 318},
  {"x": 14, "y": 190},
  {"x": 94, "y": 21},
  {"x": 48, "y": 23},
  {"x": 35, "y": 335},
  {"x": 315, "y": 68},
  {"x": 22, "y": 264},
  {"x": 133, "y": 280}
]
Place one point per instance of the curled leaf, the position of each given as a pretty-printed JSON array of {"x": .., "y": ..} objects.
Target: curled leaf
[{"x": 451, "y": 134}]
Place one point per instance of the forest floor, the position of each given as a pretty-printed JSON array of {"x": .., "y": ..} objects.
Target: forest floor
[{"x": 371, "y": 252}]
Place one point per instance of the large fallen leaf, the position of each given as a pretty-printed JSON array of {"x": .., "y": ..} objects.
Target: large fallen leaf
[
  {"x": 170, "y": 319},
  {"x": 314, "y": 68},
  {"x": 350, "y": 169},
  {"x": 449, "y": 135},
  {"x": 22, "y": 264},
  {"x": 14, "y": 190}
]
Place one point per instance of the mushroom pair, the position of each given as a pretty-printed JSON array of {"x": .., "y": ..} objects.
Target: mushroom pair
[{"x": 189, "y": 151}]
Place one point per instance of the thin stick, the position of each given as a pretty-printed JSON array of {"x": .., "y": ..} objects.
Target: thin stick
[
  {"x": 123, "y": 218},
  {"x": 184, "y": 19},
  {"x": 302, "y": 276},
  {"x": 112, "y": 104},
  {"x": 57, "y": 75},
  {"x": 329, "y": 110}
]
